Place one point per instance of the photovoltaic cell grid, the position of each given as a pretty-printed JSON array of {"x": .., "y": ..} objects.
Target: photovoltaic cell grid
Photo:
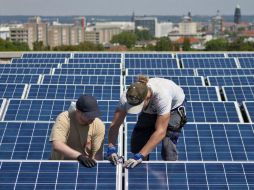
[
  {"x": 240, "y": 54},
  {"x": 46, "y": 55},
  {"x": 208, "y": 142},
  {"x": 161, "y": 72},
  {"x": 81, "y": 79},
  {"x": 12, "y": 78},
  {"x": 230, "y": 80},
  {"x": 151, "y": 63},
  {"x": 20, "y": 70},
  {"x": 209, "y": 63},
  {"x": 40, "y": 60},
  {"x": 201, "y": 93},
  {"x": 95, "y": 60},
  {"x": 148, "y": 55},
  {"x": 86, "y": 71},
  {"x": 29, "y": 140},
  {"x": 47, "y": 110},
  {"x": 97, "y": 55},
  {"x": 249, "y": 108},
  {"x": 224, "y": 72},
  {"x": 199, "y": 55},
  {"x": 238, "y": 93},
  {"x": 56, "y": 175},
  {"x": 182, "y": 80},
  {"x": 191, "y": 176},
  {"x": 11, "y": 90},
  {"x": 246, "y": 62},
  {"x": 91, "y": 65},
  {"x": 30, "y": 65},
  {"x": 101, "y": 92}
]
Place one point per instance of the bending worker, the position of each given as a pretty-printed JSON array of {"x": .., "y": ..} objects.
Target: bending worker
[
  {"x": 78, "y": 134},
  {"x": 160, "y": 103}
]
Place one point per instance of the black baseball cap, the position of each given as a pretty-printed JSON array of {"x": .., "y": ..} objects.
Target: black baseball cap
[{"x": 88, "y": 105}]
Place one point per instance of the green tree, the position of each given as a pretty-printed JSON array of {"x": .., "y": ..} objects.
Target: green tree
[
  {"x": 6, "y": 45},
  {"x": 125, "y": 38},
  {"x": 38, "y": 46},
  {"x": 163, "y": 44},
  {"x": 143, "y": 35},
  {"x": 217, "y": 45},
  {"x": 186, "y": 44}
]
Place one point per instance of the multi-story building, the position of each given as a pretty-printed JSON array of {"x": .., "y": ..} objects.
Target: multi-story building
[
  {"x": 216, "y": 25},
  {"x": 19, "y": 34},
  {"x": 164, "y": 28},
  {"x": 237, "y": 15},
  {"x": 149, "y": 23},
  {"x": 187, "y": 27}
]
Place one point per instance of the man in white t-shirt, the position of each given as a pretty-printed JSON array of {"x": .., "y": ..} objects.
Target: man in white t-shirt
[{"x": 160, "y": 103}]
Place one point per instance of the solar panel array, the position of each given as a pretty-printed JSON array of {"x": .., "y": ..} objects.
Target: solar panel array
[{"x": 215, "y": 147}]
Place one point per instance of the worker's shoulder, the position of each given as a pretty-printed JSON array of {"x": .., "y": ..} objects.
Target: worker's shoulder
[{"x": 98, "y": 123}]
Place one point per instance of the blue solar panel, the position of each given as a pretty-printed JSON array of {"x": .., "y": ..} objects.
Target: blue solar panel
[
  {"x": 97, "y": 55},
  {"x": 95, "y": 60},
  {"x": 221, "y": 112},
  {"x": 20, "y": 70},
  {"x": 209, "y": 63},
  {"x": 191, "y": 176},
  {"x": 161, "y": 72},
  {"x": 12, "y": 90},
  {"x": 91, "y": 65},
  {"x": 40, "y": 60},
  {"x": 101, "y": 92},
  {"x": 151, "y": 63},
  {"x": 240, "y": 54},
  {"x": 238, "y": 93},
  {"x": 224, "y": 72},
  {"x": 85, "y": 71},
  {"x": 183, "y": 80},
  {"x": 12, "y": 78},
  {"x": 201, "y": 93},
  {"x": 30, "y": 65},
  {"x": 249, "y": 109},
  {"x": 230, "y": 80},
  {"x": 199, "y": 55},
  {"x": 47, "y": 110},
  {"x": 80, "y": 79},
  {"x": 148, "y": 55},
  {"x": 57, "y": 175},
  {"x": 46, "y": 55},
  {"x": 247, "y": 62},
  {"x": 208, "y": 142}
]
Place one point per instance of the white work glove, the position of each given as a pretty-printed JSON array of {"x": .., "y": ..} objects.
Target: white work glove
[
  {"x": 133, "y": 162},
  {"x": 113, "y": 156}
]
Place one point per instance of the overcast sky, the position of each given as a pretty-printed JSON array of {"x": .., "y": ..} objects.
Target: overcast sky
[{"x": 123, "y": 7}]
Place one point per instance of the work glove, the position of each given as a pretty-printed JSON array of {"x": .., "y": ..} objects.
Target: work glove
[
  {"x": 113, "y": 156},
  {"x": 133, "y": 162},
  {"x": 86, "y": 161}
]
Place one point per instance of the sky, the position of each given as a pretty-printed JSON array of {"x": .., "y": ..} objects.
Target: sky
[{"x": 123, "y": 7}]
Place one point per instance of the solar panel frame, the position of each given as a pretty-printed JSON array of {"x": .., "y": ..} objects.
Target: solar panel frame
[
  {"x": 209, "y": 63},
  {"x": 238, "y": 93},
  {"x": 160, "y": 72},
  {"x": 3, "y": 102},
  {"x": 199, "y": 55},
  {"x": 224, "y": 72},
  {"x": 151, "y": 63},
  {"x": 230, "y": 80},
  {"x": 13, "y": 90},
  {"x": 249, "y": 110},
  {"x": 31, "y": 65},
  {"x": 20, "y": 79},
  {"x": 86, "y": 71}
]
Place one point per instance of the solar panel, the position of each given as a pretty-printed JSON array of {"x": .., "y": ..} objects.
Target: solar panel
[
  {"x": 47, "y": 110},
  {"x": 85, "y": 71},
  {"x": 92, "y": 65},
  {"x": 151, "y": 63},
  {"x": 246, "y": 62},
  {"x": 191, "y": 176},
  {"x": 57, "y": 175},
  {"x": 12, "y": 78},
  {"x": 182, "y": 80},
  {"x": 95, "y": 60},
  {"x": 249, "y": 109},
  {"x": 161, "y": 72},
  {"x": 46, "y": 55},
  {"x": 238, "y": 93},
  {"x": 208, "y": 142},
  {"x": 30, "y": 65},
  {"x": 222, "y": 112},
  {"x": 199, "y": 55},
  {"x": 97, "y": 55},
  {"x": 12, "y": 90},
  {"x": 224, "y": 72},
  {"x": 240, "y": 54},
  {"x": 81, "y": 79},
  {"x": 230, "y": 80},
  {"x": 148, "y": 55},
  {"x": 209, "y": 63},
  {"x": 20, "y": 70},
  {"x": 101, "y": 92},
  {"x": 201, "y": 93},
  {"x": 38, "y": 60}
]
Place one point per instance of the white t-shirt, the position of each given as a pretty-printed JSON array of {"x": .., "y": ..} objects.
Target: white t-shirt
[{"x": 166, "y": 95}]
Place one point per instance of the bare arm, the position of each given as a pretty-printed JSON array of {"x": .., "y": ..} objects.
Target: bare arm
[
  {"x": 159, "y": 133},
  {"x": 118, "y": 119},
  {"x": 64, "y": 149}
]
